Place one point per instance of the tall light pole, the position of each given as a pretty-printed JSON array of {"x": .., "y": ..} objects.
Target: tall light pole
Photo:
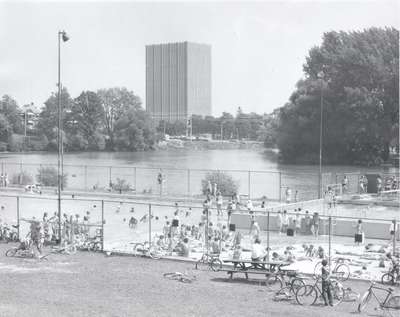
[
  {"x": 62, "y": 35},
  {"x": 320, "y": 75}
]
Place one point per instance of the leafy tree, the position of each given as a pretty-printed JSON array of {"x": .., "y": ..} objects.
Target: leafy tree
[
  {"x": 360, "y": 100},
  {"x": 172, "y": 128},
  {"x": 85, "y": 121},
  {"x": 48, "y": 176},
  {"x": 116, "y": 102},
  {"x": 134, "y": 131},
  {"x": 5, "y": 128},
  {"x": 48, "y": 118},
  {"x": 225, "y": 183},
  {"x": 10, "y": 111}
]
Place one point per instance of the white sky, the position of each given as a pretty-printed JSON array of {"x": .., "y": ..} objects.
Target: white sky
[{"x": 258, "y": 48}]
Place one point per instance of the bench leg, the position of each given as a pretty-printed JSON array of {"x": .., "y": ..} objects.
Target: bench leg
[{"x": 247, "y": 276}]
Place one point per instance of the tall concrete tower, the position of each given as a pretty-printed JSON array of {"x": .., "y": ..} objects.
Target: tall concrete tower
[{"x": 178, "y": 80}]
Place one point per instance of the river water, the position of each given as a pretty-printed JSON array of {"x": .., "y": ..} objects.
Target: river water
[{"x": 185, "y": 168}]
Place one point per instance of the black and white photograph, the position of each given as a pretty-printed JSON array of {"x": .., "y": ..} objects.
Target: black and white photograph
[{"x": 199, "y": 158}]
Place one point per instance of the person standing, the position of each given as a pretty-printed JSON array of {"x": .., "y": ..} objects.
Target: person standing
[
  {"x": 326, "y": 284},
  {"x": 379, "y": 184},
  {"x": 297, "y": 223},
  {"x": 288, "y": 195},
  {"x": 209, "y": 189},
  {"x": 219, "y": 204},
  {"x": 315, "y": 224},
  {"x": 285, "y": 221},
  {"x": 215, "y": 190},
  {"x": 279, "y": 222},
  {"x": 345, "y": 183},
  {"x": 359, "y": 236},
  {"x": 160, "y": 180}
]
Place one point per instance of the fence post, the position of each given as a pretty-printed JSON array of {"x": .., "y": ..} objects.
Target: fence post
[
  {"x": 188, "y": 181},
  {"x": 268, "y": 248},
  {"x": 20, "y": 173},
  {"x": 134, "y": 179},
  {"x": 102, "y": 225},
  {"x": 394, "y": 236},
  {"x": 109, "y": 177},
  {"x": 206, "y": 230},
  {"x": 330, "y": 241},
  {"x": 149, "y": 224},
  {"x": 280, "y": 187},
  {"x": 248, "y": 182},
  {"x": 40, "y": 173},
  {"x": 85, "y": 176},
  {"x": 18, "y": 217}
]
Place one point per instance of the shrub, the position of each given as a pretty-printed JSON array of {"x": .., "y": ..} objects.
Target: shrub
[
  {"x": 225, "y": 183},
  {"x": 48, "y": 176},
  {"x": 121, "y": 185},
  {"x": 22, "y": 178}
]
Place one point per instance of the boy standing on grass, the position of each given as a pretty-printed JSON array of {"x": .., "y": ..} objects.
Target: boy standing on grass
[{"x": 326, "y": 283}]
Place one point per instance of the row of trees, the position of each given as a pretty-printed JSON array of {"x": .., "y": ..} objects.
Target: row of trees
[
  {"x": 357, "y": 76},
  {"x": 109, "y": 119},
  {"x": 250, "y": 126}
]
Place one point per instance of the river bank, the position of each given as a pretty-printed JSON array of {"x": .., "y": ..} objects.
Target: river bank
[{"x": 209, "y": 145}]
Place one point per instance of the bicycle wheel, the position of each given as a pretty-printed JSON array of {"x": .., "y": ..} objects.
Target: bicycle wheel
[
  {"x": 202, "y": 264},
  {"x": 393, "y": 303},
  {"x": 155, "y": 253},
  {"x": 138, "y": 249},
  {"x": 273, "y": 283},
  {"x": 296, "y": 283},
  {"x": 306, "y": 295},
  {"x": 11, "y": 252},
  {"x": 285, "y": 293},
  {"x": 387, "y": 279},
  {"x": 337, "y": 293},
  {"x": 317, "y": 269},
  {"x": 364, "y": 301},
  {"x": 216, "y": 264},
  {"x": 342, "y": 272}
]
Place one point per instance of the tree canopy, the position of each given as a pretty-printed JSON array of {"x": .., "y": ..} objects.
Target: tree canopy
[{"x": 357, "y": 76}]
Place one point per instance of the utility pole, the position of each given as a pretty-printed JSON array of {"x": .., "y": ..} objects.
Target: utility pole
[{"x": 61, "y": 35}]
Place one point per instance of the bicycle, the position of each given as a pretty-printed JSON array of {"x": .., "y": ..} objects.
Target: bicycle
[
  {"x": 181, "y": 277},
  {"x": 308, "y": 294},
  {"x": 24, "y": 250},
  {"x": 341, "y": 270},
  {"x": 284, "y": 282},
  {"x": 391, "y": 302},
  {"x": 68, "y": 248},
  {"x": 392, "y": 277},
  {"x": 350, "y": 295},
  {"x": 145, "y": 249},
  {"x": 210, "y": 261}
]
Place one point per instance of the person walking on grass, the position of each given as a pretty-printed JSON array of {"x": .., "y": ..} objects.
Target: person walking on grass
[{"x": 326, "y": 284}]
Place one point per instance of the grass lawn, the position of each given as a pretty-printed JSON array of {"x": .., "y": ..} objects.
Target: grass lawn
[{"x": 92, "y": 284}]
